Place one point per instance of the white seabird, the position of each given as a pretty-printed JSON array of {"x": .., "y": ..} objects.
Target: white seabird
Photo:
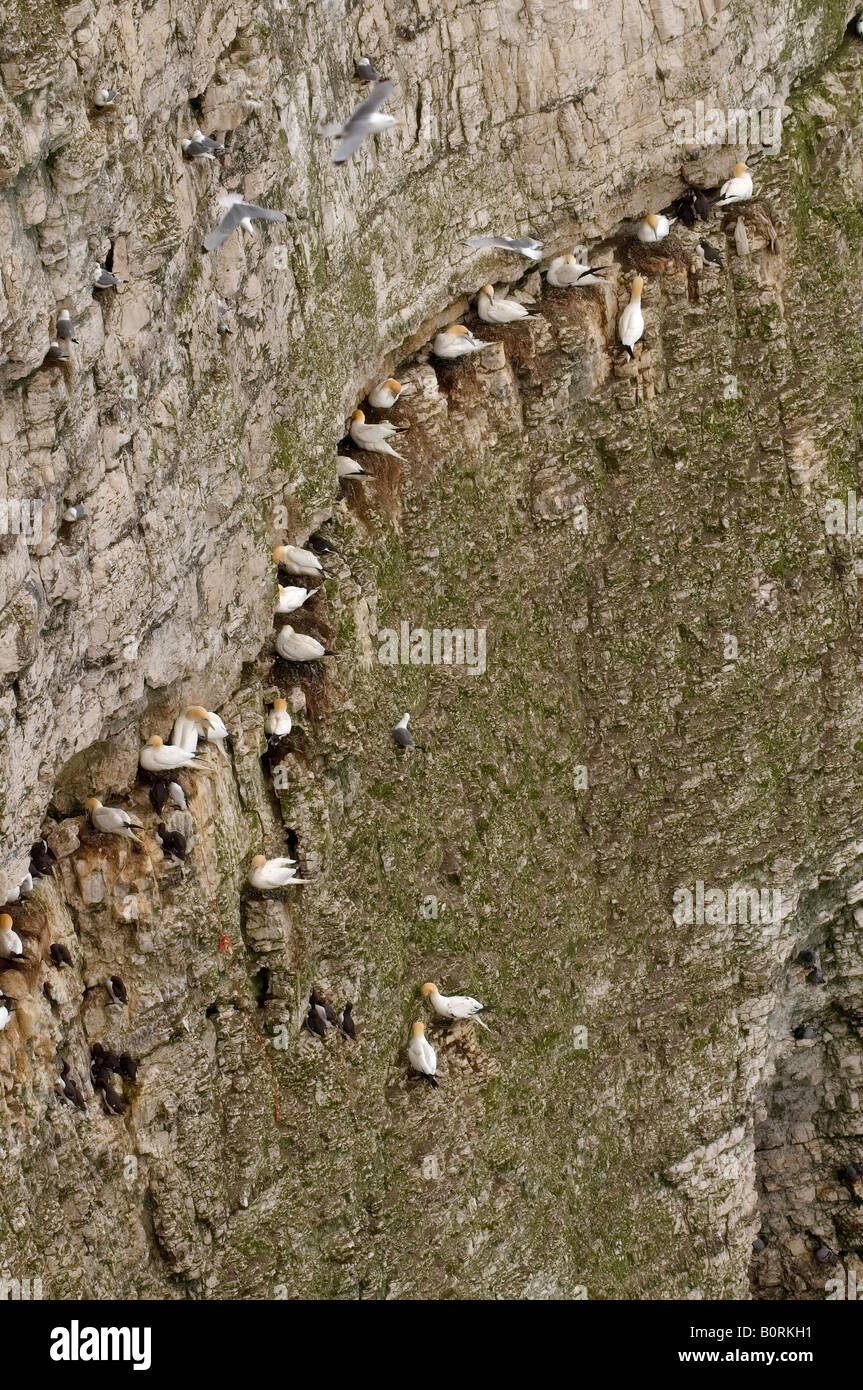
[
  {"x": 278, "y": 723},
  {"x": 158, "y": 756},
  {"x": 385, "y": 395},
  {"x": 402, "y": 734},
  {"x": 10, "y": 941},
  {"x": 111, "y": 820},
  {"x": 204, "y": 722},
  {"x": 373, "y": 438},
  {"x": 66, "y": 327},
  {"x": 105, "y": 97},
  {"x": 267, "y": 873},
  {"x": 296, "y": 560},
  {"x": 456, "y": 341},
  {"x": 655, "y": 227},
  {"x": 522, "y": 245},
  {"x": 566, "y": 272},
  {"x": 493, "y": 310},
  {"x": 296, "y": 646},
  {"x": 239, "y": 214},
  {"x": 368, "y": 119},
  {"x": 201, "y": 147},
  {"x": 365, "y": 71},
  {"x": 293, "y": 596},
  {"x": 453, "y": 1005},
  {"x": 105, "y": 279},
  {"x": 738, "y": 189},
  {"x": 75, "y": 513},
  {"x": 631, "y": 323},
  {"x": 422, "y": 1055},
  {"x": 349, "y": 468},
  {"x": 177, "y": 795}
]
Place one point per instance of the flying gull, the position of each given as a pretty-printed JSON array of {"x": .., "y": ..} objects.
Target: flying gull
[
  {"x": 239, "y": 214},
  {"x": 522, "y": 245},
  {"x": 366, "y": 120}
]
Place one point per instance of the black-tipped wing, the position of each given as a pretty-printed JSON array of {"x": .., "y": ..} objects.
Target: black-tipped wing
[
  {"x": 234, "y": 216},
  {"x": 357, "y": 128}
]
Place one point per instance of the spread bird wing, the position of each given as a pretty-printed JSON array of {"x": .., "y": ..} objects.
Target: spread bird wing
[
  {"x": 234, "y": 216},
  {"x": 357, "y": 128}
]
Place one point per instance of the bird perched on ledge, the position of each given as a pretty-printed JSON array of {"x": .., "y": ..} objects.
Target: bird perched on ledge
[
  {"x": 158, "y": 756},
  {"x": 737, "y": 189},
  {"x": 655, "y": 227},
  {"x": 267, "y": 873},
  {"x": 111, "y": 820},
  {"x": 373, "y": 438},
  {"x": 296, "y": 560},
  {"x": 385, "y": 395},
  {"x": 10, "y": 942},
  {"x": 631, "y": 323},
  {"x": 293, "y": 596},
  {"x": 566, "y": 272},
  {"x": 456, "y": 341},
  {"x": 453, "y": 1006},
  {"x": 278, "y": 722},
  {"x": 502, "y": 310},
  {"x": 421, "y": 1055},
  {"x": 296, "y": 646}
]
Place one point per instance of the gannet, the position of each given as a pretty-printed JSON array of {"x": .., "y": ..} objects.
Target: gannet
[
  {"x": 347, "y": 1021},
  {"x": 173, "y": 842},
  {"x": 293, "y": 596},
  {"x": 105, "y": 97},
  {"x": 207, "y": 723},
  {"x": 10, "y": 941},
  {"x": 158, "y": 756},
  {"x": 298, "y": 561},
  {"x": 655, "y": 227},
  {"x": 59, "y": 955},
  {"x": 456, "y": 341},
  {"x": 42, "y": 859},
  {"x": 296, "y": 646},
  {"x": 278, "y": 722},
  {"x": 385, "y": 395},
  {"x": 368, "y": 119},
  {"x": 349, "y": 468},
  {"x": 117, "y": 989},
  {"x": 66, "y": 327},
  {"x": 372, "y": 438},
  {"x": 492, "y": 310},
  {"x": 201, "y": 147},
  {"x": 239, "y": 214},
  {"x": 631, "y": 324},
  {"x": 523, "y": 245},
  {"x": 70, "y": 1088},
  {"x": 110, "y": 820},
  {"x": 453, "y": 1005},
  {"x": 565, "y": 272},
  {"x": 422, "y": 1055},
  {"x": 105, "y": 279},
  {"x": 365, "y": 71},
  {"x": 273, "y": 873},
  {"x": 738, "y": 188}
]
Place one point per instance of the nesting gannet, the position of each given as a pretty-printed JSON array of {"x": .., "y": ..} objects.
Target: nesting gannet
[
  {"x": 73, "y": 514},
  {"x": 296, "y": 646},
  {"x": 10, "y": 941},
  {"x": 273, "y": 873},
  {"x": 117, "y": 989},
  {"x": 57, "y": 352},
  {"x": 173, "y": 842},
  {"x": 278, "y": 722},
  {"x": 298, "y": 561},
  {"x": 59, "y": 955},
  {"x": 456, "y": 341},
  {"x": 207, "y": 723},
  {"x": 522, "y": 245},
  {"x": 347, "y": 1021},
  {"x": 70, "y": 1088},
  {"x": 66, "y": 327},
  {"x": 365, "y": 71},
  {"x": 386, "y": 393},
  {"x": 373, "y": 438},
  {"x": 349, "y": 468},
  {"x": 453, "y": 1005},
  {"x": 655, "y": 227},
  {"x": 158, "y": 756},
  {"x": 239, "y": 214},
  {"x": 566, "y": 272},
  {"x": 293, "y": 596},
  {"x": 105, "y": 97},
  {"x": 42, "y": 859},
  {"x": 105, "y": 279},
  {"x": 709, "y": 254},
  {"x": 493, "y": 310},
  {"x": 201, "y": 147},
  {"x": 110, "y": 820},
  {"x": 631, "y": 323},
  {"x": 737, "y": 189},
  {"x": 403, "y": 736},
  {"x": 421, "y": 1054},
  {"x": 368, "y": 119}
]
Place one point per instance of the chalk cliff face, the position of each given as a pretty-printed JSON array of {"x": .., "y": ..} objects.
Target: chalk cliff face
[{"x": 662, "y": 687}]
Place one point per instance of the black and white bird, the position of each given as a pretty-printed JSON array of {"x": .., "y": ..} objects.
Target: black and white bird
[
  {"x": 57, "y": 352},
  {"x": 173, "y": 842},
  {"x": 112, "y": 820},
  {"x": 105, "y": 279},
  {"x": 367, "y": 119},
  {"x": 709, "y": 254},
  {"x": 127, "y": 1067},
  {"x": 315, "y": 1023},
  {"x": 117, "y": 990},
  {"x": 805, "y": 1032},
  {"x": 324, "y": 1009},
  {"x": 453, "y": 1006},
  {"x": 66, "y": 327},
  {"x": 159, "y": 793},
  {"x": 421, "y": 1055},
  {"x": 59, "y": 954},
  {"x": 201, "y": 146},
  {"x": 365, "y": 71},
  {"x": 71, "y": 1090},
  {"x": 42, "y": 859},
  {"x": 402, "y": 735},
  {"x": 694, "y": 206},
  {"x": 521, "y": 245},
  {"x": 6, "y": 1007},
  {"x": 115, "y": 1104},
  {"x": 239, "y": 214},
  {"x": 349, "y": 1028},
  {"x": 106, "y": 98}
]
